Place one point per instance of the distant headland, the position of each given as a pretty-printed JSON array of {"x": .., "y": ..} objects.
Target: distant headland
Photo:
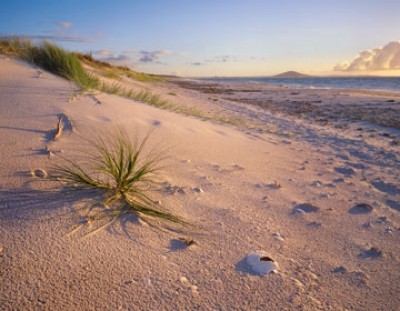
[{"x": 291, "y": 74}]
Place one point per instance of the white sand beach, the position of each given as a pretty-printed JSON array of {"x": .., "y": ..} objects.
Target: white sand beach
[{"x": 316, "y": 189}]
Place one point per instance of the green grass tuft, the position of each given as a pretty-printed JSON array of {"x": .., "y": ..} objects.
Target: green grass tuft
[
  {"x": 52, "y": 58},
  {"x": 63, "y": 63},
  {"x": 122, "y": 177}
]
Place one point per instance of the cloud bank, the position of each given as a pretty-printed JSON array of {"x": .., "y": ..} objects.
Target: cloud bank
[
  {"x": 385, "y": 58},
  {"x": 152, "y": 56}
]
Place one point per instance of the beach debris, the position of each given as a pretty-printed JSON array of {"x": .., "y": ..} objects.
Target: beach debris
[
  {"x": 305, "y": 208},
  {"x": 316, "y": 183},
  {"x": 173, "y": 189},
  {"x": 181, "y": 243},
  {"x": 372, "y": 253},
  {"x": 261, "y": 263},
  {"x": 39, "y": 173},
  {"x": 361, "y": 208},
  {"x": 59, "y": 129},
  {"x": 198, "y": 190},
  {"x": 278, "y": 236}
]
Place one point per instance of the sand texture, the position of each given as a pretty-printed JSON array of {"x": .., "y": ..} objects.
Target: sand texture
[{"x": 313, "y": 187}]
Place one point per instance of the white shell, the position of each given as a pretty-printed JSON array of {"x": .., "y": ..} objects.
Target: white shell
[{"x": 261, "y": 263}]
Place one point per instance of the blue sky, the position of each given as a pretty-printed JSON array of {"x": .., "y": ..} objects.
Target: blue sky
[{"x": 219, "y": 37}]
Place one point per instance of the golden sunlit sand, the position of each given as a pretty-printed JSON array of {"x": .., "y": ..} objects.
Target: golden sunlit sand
[{"x": 310, "y": 190}]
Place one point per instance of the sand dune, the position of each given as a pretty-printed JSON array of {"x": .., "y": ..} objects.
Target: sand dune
[{"x": 316, "y": 198}]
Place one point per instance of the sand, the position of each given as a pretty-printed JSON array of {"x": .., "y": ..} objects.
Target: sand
[{"x": 321, "y": 198}]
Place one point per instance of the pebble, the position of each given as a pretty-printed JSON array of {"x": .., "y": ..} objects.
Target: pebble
[{"x": 198, "y": 190}]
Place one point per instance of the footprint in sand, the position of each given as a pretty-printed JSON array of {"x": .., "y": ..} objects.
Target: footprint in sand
[
  {"x": 372, "y": 253},
  {"x": 348, "y": 171},
  {"x": 385, "y": 187},
  {"x": 305, "y": 208},
  {"x": 361, "y": 208},
  {"x": 393, "y": 204}
]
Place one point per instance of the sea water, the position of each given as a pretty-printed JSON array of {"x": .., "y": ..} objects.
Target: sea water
[{"x": 391, "y": 84}]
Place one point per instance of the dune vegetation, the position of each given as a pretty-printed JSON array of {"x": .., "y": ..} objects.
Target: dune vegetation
[
  {"x": 69, "y": 65},
  {"x": 118, "y": 176}
]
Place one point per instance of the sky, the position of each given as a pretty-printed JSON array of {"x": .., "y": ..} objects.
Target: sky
[{"x": 219, "y": 37}]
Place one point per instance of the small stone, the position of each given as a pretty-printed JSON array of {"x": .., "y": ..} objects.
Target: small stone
[{"x": 198, "y": 190}]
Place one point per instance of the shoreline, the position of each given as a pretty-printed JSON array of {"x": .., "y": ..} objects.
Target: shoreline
[{"x": 326, "y": 105}]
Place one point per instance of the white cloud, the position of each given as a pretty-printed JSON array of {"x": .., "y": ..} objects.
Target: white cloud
[
  {"x": 384, "y": 58},
  {"x": 64, "y": 25}
]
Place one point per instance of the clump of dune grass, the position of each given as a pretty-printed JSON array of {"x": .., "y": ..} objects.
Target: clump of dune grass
[
  {"x": 119, "y": 177},
  {"x": 51, "y": 58},
  {"x": 14, "y": 46},
  {"x": 63, "y": 63}
]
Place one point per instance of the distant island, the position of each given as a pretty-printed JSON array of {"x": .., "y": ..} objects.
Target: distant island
[{"x": 291, "y": 74}]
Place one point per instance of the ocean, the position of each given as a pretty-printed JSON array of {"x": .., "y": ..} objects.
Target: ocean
[{"x": 364, "y": 83}]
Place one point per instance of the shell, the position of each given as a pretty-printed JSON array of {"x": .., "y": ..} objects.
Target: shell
[{"x": 261, "y": 263}]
